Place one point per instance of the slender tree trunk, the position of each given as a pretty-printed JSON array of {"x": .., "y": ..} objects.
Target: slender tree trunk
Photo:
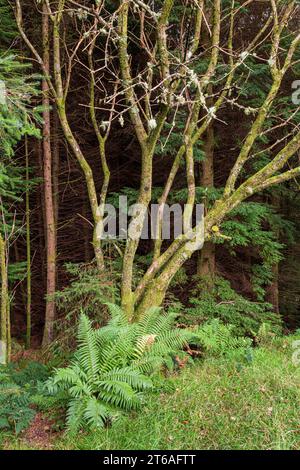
[
  {"x": 90, "y": 183},
  {"x": 61, "y": 110},
  {"x": 38, "y": 160},
  {"x": 86, "y": 233},
  {"x": 207, "y": 262},
  {"x": 4, "y": 302},
  {"x": 8, "y": 348},
  {"x": 49, "y": 207},
  {"x": 28, "y": 252},
  {"x": 55, "y": 166},
  {"x": 55, "y": 177},
  {"x": 206, "y": 257}
]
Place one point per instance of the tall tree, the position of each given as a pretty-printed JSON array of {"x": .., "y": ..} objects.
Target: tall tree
[
  {"x": 59, "y": 85},
  {"x": 48, "y": 188},
  {"x": 17, "y": 119},
  {"x": 158, "y": 73}
]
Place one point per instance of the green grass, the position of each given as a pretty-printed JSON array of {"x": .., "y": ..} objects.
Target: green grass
[{"x": 213, "y": 405}]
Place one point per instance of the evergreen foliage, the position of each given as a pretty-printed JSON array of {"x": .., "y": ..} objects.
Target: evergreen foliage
[
  {"x": 17, "y": 116},
  {"x": 86, "y": 294},
  {"x": 224, "y": 303}
]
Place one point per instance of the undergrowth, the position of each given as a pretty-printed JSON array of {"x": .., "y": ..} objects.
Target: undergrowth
[
  {"x": 210, "y": 405},
  {"x": 113, "y": 365},
  {"x": 150, "y": 375},
  {"x": 19, "y": 390},
  {"x": 223, "y": 303}
]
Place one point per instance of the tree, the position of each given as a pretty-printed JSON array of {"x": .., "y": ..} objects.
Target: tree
[
  {"x": 17, "y": 118},
  {"x": 171, "y": 80},
  {"x": 59, "y": 87},
  {"x": 48, "y": 189}
]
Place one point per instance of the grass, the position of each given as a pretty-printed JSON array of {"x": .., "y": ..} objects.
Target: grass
[{"x": 213, "y": 405}]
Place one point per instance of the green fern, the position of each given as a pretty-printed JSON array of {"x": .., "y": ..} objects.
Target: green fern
[
  {"x": 219, "y": 339},
  {"x": 19, "y": 390},
  {"x": 112, "y": 365}
]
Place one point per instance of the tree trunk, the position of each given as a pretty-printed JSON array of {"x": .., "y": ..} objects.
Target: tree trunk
[
  {"x": 28, "y": 253},
  {"x": 206, "y": 257},
  {"x": 207, "y": 262},
  {"x": 55, "y": 166},
  {"x": 153, "y": 290},
  {"x": 4, "y": 302},
  {"x": 49, "y": 208},
  {"x": 88, "y": 174}
]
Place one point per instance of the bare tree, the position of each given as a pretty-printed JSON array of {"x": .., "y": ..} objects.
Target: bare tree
[
  {"x": 58, "y": 81},
  {"x": 168, "y": 86}
]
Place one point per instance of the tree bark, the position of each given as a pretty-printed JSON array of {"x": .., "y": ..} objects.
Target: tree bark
[
  {"x": 28, "y": 253},
  {"x": 4, "y": 300},
  {"x": 55, "y": 166},
  {"x": 206, "y": 258},
  {"x": 49, "y": 206}
]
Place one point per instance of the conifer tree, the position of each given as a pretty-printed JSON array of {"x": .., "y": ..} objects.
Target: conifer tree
[{"x": 17, "y": 119}]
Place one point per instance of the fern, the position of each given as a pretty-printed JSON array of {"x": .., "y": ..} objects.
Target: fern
[
  {"x": 219, "y": 339},
  {"x": 87, "y": 351},
  {"x": 113, "y": 365},
  {"x": 19, "y": 390}
]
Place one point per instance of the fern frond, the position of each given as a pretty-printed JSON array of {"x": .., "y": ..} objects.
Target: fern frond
[
  {"x": 158, "y": 321},
  {"x": 149, "y": 364},
  {"x": 88, "y": 349},
  {"x": 146, "y": 323},
  {"x": 112, "y": 365},
  {"x": 130, "y": 376},
  {"x": 143, "y": 344},
  {"x": 219, "y": 338},
  {"x": 109, "y": 333},
  {"x": 118, "y": 317},
  {"x": 119, "y": 394},
  {"x": 75, "y": 415},
  {"x": 66, "y": 375},
  {"x": 170, "y": 341},
  {"x": 95, "y": 413},
  {"x": 116, "y": 353}
]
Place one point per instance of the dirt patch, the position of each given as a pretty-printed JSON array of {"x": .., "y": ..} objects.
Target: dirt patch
[
  {"x": 27, "y": 355},
  {"x": 40, "y": 433}
]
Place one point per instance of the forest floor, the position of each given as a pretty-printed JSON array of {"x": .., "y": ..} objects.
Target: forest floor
[{"x": 212, "y": 405}]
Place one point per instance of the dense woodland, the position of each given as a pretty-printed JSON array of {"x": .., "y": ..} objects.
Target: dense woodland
[{"x": 166, "y": 102}]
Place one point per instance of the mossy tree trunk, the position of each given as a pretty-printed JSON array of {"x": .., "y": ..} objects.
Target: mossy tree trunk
[{"x": 206, "y": 257}]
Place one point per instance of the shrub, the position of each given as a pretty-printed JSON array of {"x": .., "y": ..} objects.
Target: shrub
[
  {"x": 219, "y": 340},
  {"x": 87, "y": 292},
  {"x": 18, "y": 390},
  {"x": 112, "y": 366},
  {"x": 229, "y": 307}
]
